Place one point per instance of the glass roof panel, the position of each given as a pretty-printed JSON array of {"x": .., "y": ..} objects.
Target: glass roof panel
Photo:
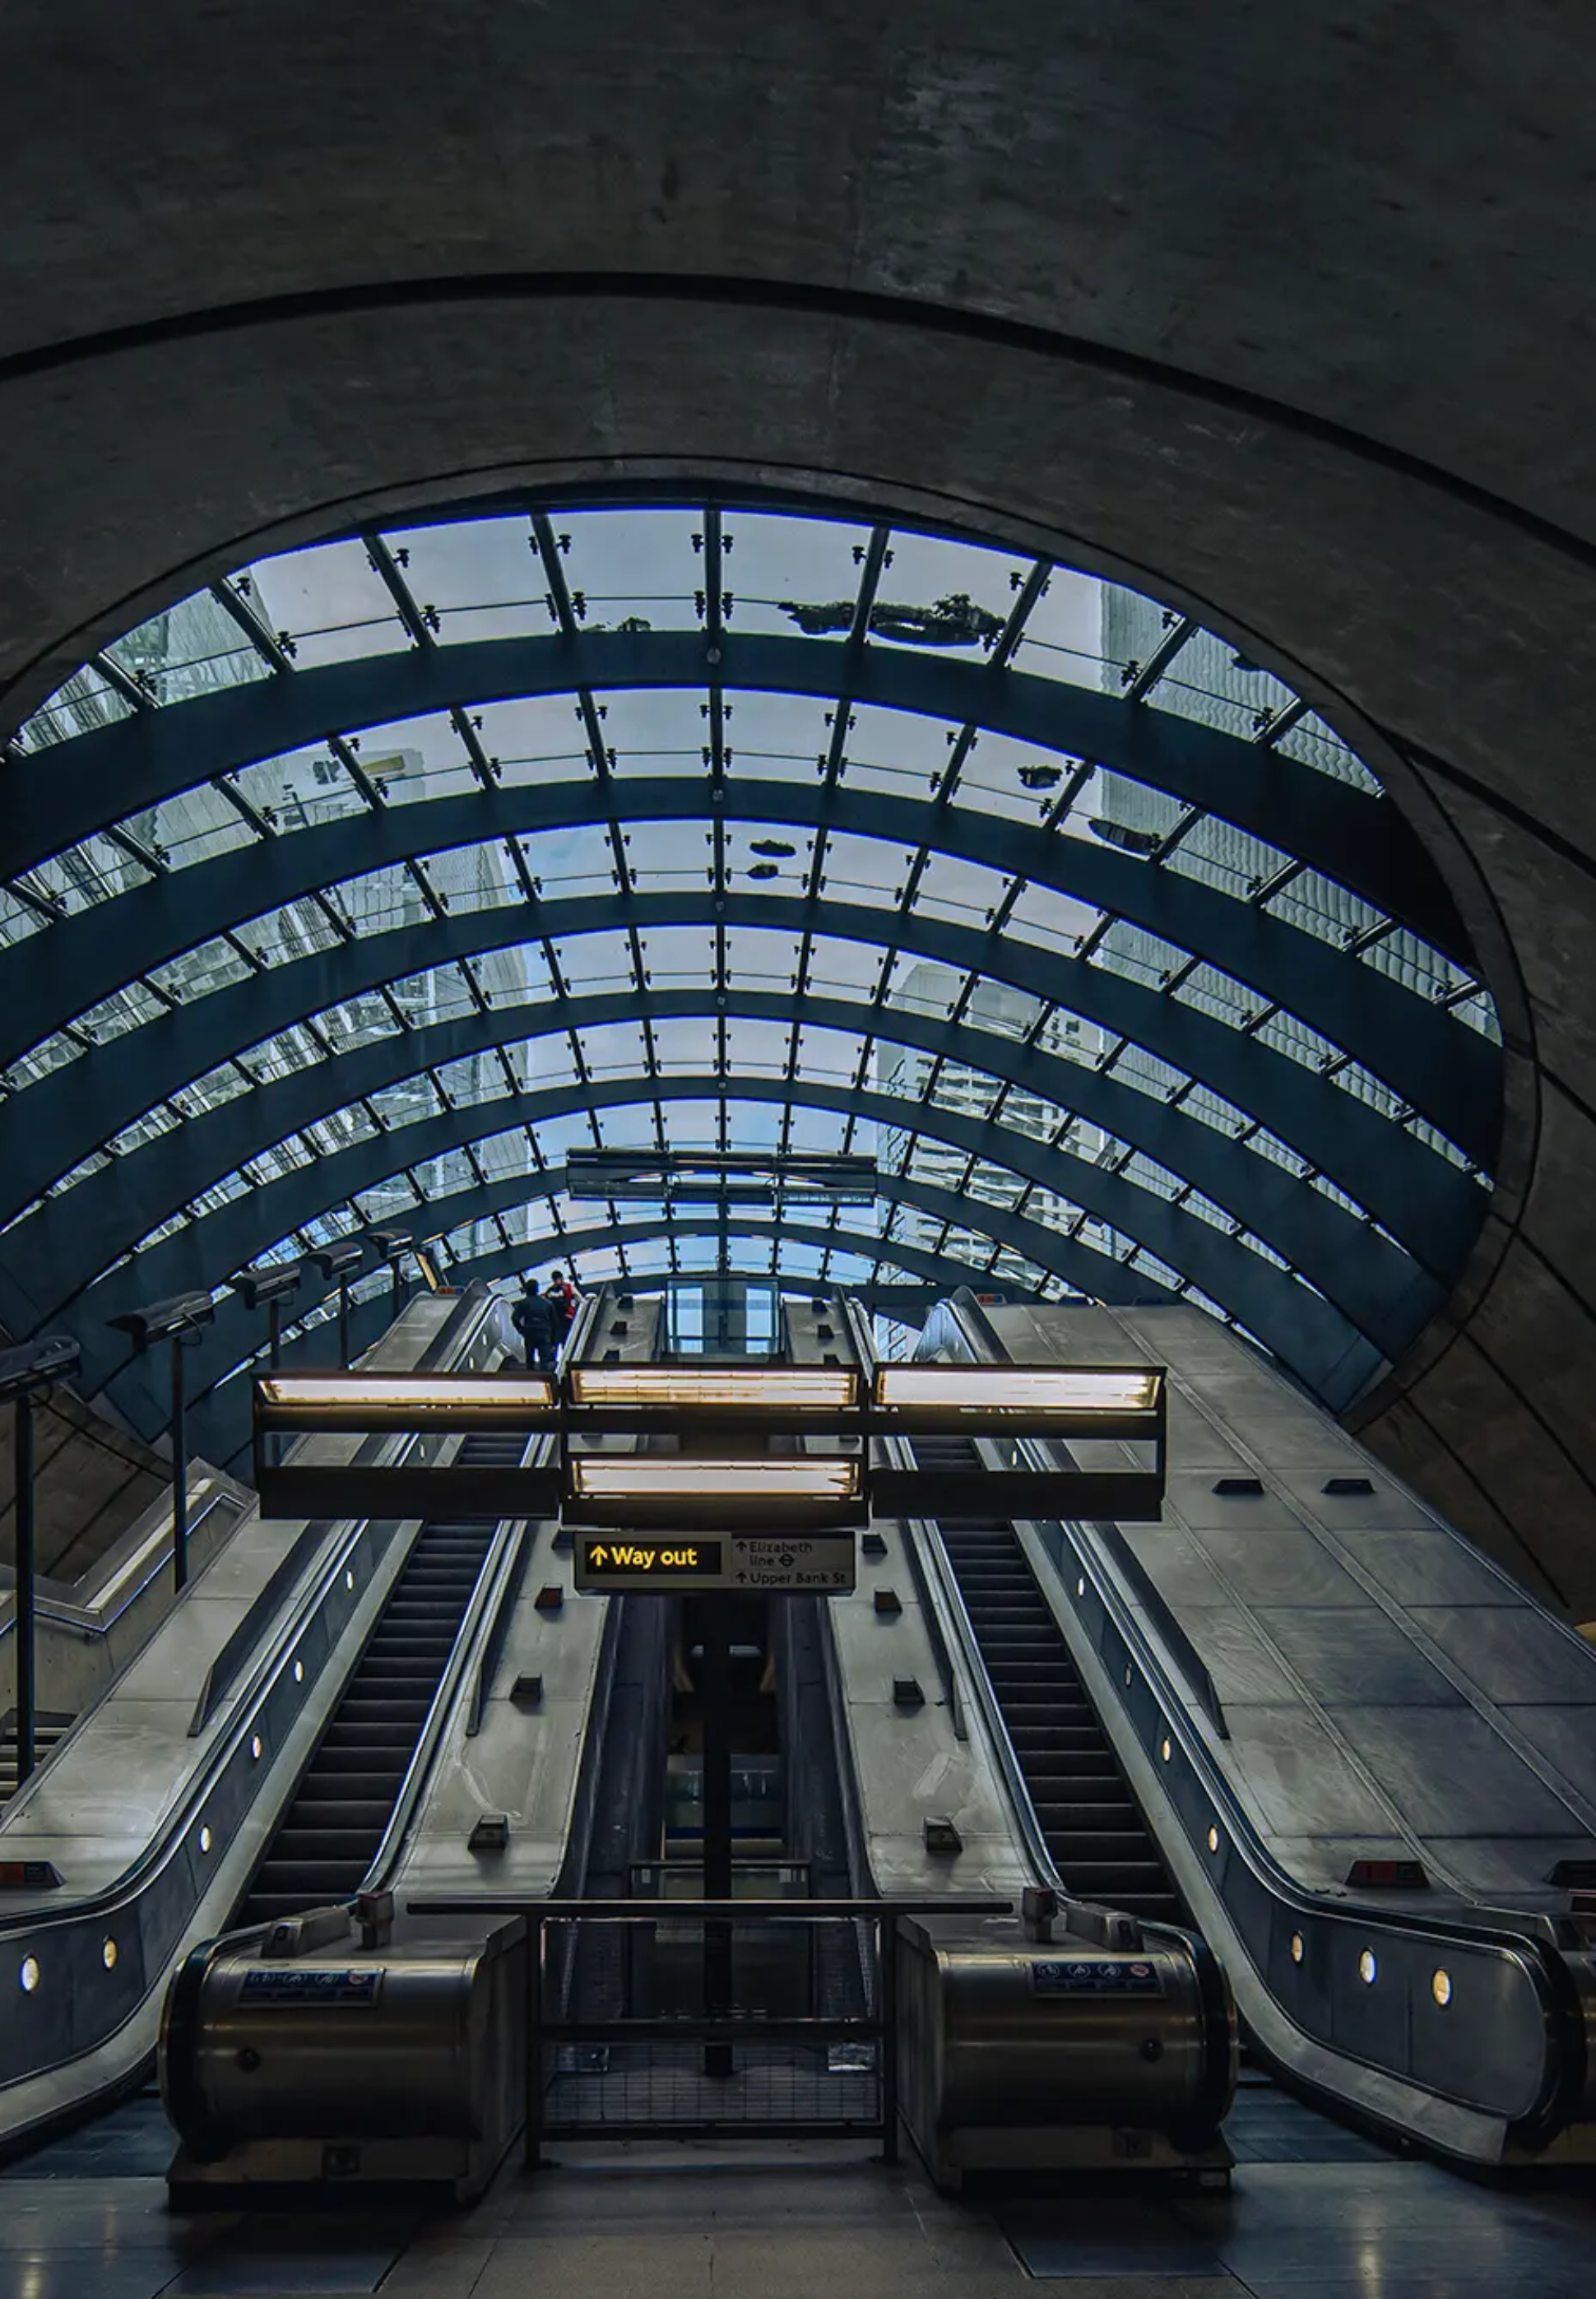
[
  {"x": 477, "y": 578},
  {"x": 481, "y": 579},
  {"x": 773, "y": 559},
  {"x": 325, "y": 604},
  {"x": 630, "y": 568}
]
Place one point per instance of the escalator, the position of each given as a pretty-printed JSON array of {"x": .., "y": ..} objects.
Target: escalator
[
  {"x": 330, "y": 1834},
  {"x": 1099, "y": 1843}
]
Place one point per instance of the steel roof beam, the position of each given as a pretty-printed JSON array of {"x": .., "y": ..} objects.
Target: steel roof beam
[
  {"x": 73, "y": 1238},
  {"x": 1444, "y": 1069},
  {"x": 50, "y": 800},
  {"x": 1410, "y": 1191},
  {"x": 1305, "y": 1332}
]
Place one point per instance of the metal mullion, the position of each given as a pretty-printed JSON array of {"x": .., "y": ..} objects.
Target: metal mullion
[
  {"x": 506, "y": 1070},
  {"x": 259, "y": 634},
  {"x": 1029, "y": 592},
  {"x": 386, "y": 565},
  {"x": 1460, "y": 995},
  {"x": 1074, "y": 783},
  {"x": 1090, "y": 946},
  {"x": 1267, "y": 1012},
  {"x": 505, "y": 1238},
  {"x": 1178, "y": 831},
  {"x": 123, "y": 681},
  {"x": 1276, "y": 726},
  {"x": 343, "y": 927},
  {"x": 396, "y": 1013},
  {"x": 134, "y": 848},
  {"x": 50, "y": 907},
  {"x": 1150, "y": 672},
  {"x": 474, "y": 989},
  {"x": 518, "y": 863},
  {"x": 241, "y": 950},
  {"x": 343, "y": 749},
  {"x": 1370, "y": 937},
  {"x": 918, "y": 864},
  {"x": 1007, "y": 907},
  {"x": 250, "y": 814},
  {"x": 443, "y": 1093},
  {"x": 417, "y": 877},
  {"x": 1265, "y": 892},
  {"x": 878, "y": 558},
  {"x": 484, "y": 768}
]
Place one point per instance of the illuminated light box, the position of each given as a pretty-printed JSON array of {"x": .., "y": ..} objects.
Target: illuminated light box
[
  {"x": 642, "y": 1489},
  {"x": 1081, "y": 1401},
  {"x": 366, "y": 1403},
  {"x": 639, "y": 1394}
]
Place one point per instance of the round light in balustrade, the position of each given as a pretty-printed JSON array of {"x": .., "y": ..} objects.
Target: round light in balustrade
[
  {"x": 1368, "y": 1967},
  {"x": 1296, "y": 1948},
  {"x": 109, "y": 1952},
  {"x": 349, "y": 1579},
  {"x": 1081, "y": 1586},
  {"x": 257, "y": 1747},
  {"x": 1213, "y": 1840},
  {"x": 1130, "y": 1673},
  {"x": 299, "y": 1672},
  {"x": 1441, "y": 1987},
  {"x": 205, "y": 1839},
  {"x": 1165, "y": 1750},
  {"x": 28, "y": 1975}
]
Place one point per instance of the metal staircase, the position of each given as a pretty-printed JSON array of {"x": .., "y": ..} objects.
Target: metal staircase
[
  {"x": 341, "y": 1809},
  {"x": 1100, "y": 1844}
]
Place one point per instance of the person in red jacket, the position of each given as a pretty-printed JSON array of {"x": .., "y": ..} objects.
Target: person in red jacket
[{"x": 564, "y": 1297}]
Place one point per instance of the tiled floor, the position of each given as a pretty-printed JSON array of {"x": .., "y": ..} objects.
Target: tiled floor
[{"x": 1317, "y": 2213}]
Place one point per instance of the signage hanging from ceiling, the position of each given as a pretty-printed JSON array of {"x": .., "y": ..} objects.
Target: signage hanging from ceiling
[{"x": 759, "y": 1565}]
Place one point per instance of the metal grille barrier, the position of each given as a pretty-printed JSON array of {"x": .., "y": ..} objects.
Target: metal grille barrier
[{"x": 742, "y": 2069}]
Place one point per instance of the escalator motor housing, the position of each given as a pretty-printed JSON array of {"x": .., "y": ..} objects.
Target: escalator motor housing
[
  {"x": 1016, "y": 2054},
  {"x": 405, "y": 2065}
]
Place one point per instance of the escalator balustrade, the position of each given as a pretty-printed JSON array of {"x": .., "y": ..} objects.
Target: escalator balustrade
[{"x": 331, "y": 1833}]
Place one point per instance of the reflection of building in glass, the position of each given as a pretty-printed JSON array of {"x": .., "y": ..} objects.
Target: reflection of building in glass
[
  {"x": 918, "y": 1077},
  {"x": 192, "y": 649}
]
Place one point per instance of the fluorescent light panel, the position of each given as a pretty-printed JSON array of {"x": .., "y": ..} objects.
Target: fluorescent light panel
[
  {"x": 397, "y": 1392},
  {"x": 1016, "y": 1388},
  {"x": 787, "y": 1389},
  {"x": 630, "y": 1477}
]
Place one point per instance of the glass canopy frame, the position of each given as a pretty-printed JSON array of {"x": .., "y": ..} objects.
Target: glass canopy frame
[{"x": 697, "y": 849}]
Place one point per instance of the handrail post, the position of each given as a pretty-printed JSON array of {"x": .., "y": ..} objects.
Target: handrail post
[
  {"x": 26, "y": 1613},
  {"x": 887, "y": 1964},
  {"x": 533, "y": 2138}
]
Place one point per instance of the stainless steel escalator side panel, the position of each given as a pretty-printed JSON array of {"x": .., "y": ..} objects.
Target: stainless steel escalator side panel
[
  {"x": 1022, "y": 2055},
  {"x": 83, "y": 1967},
  {"x": 1252, "y": 1915},
  {"x": 403, "y": 2068}
]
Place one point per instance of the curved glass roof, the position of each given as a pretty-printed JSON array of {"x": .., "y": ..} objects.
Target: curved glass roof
[{"x": 358, "y": 887}]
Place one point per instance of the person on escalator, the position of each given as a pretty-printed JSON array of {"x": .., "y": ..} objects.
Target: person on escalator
[
  {"x": 536, "y": 1318},
  {"x": 565, "y": 1297}
]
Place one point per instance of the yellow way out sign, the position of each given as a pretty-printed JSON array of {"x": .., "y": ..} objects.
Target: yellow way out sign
[{"x": 770, "y": 1565}]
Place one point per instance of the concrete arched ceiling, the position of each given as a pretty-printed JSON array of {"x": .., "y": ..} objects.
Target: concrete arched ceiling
[{"x": 1297, "y": 328}]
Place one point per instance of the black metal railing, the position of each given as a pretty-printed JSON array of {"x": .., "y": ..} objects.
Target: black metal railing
[{"x": 744, "y": 2071}]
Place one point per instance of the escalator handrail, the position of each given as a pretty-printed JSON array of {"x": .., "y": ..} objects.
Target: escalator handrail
[
  {"x": 174, "y": 1825},
  {"x": 1553, "y": 1985},
  {"x": 477, "y": 1644},
  {"x": 1218, "y": 2014}
]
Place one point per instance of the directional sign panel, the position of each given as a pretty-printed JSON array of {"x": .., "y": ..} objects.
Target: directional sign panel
[{"x": 764, "y": 1563}]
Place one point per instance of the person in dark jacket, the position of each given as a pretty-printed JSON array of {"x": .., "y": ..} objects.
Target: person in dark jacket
[{"x": 537, "y": 1319}]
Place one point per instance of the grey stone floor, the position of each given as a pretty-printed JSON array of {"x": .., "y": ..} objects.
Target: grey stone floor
[{"x": 1317, "y": 2213}]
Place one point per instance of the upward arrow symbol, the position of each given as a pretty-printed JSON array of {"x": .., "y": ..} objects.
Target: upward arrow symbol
[{"x": 599, "y": 1555}]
